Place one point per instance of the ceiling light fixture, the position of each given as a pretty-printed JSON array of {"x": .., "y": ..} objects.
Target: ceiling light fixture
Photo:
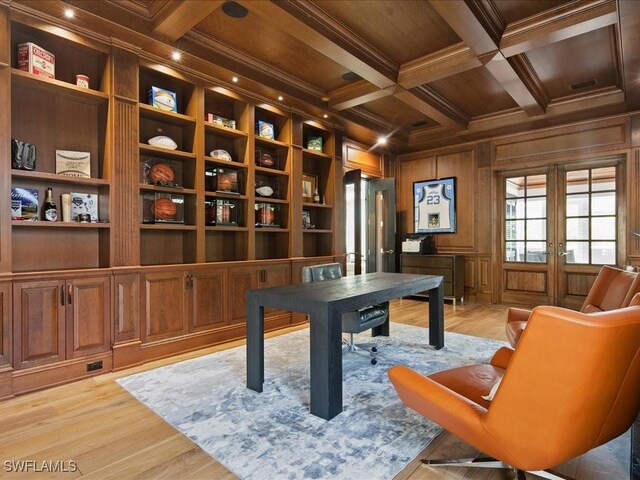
[
  {"x": 382, "y": 140},
  {"x": 234, "y": 9},
  {"x": 176, "y": 56},
  {"x": 234, "y": 79},
  {"x": 325, "y": 116},
  {"x": 280, "y": 97},
  {"x": 69, "y": 13}
]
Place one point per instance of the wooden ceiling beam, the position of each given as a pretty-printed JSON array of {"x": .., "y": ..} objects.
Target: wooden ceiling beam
[
  {"x": 443, "y": 63},
  {"x": 355, "y": 94},
  {"x": 428, "y": 102},
  {"x": 173, "y": 23},
  {"x": 558, "y": 24},
  {"x": 309, "y": 24},
  {"x": 462, "y": 20}
]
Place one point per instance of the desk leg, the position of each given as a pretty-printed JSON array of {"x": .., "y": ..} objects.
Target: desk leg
[
  {"x": 326, "y": 363},
  {"x": 255, "y": 345},
  {"x": 436, "y": 317}
]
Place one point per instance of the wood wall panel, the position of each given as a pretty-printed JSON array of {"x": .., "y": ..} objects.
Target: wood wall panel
[
  {"x": 6, "y": 339},
  {"x": 127, "y": 311},
  {"x": 549, "y": 144},
  {"x": 208, "y": 305},
  {"x": 462, "y": 166},
  {"x": 163, "y": 306},
  {"x": 534, "y": 282},
  {"x": 88, "y": 317},
  {"x": 484, "y": 204},
  {"x": 470, "y": 273},
  {"x": 633, "y": 203},
  {"x": 358, "y": 156},
  {"x": 409, "y": 171},
  {"x": 579, "y": 283},
  {"x": 5, "y": 138}
]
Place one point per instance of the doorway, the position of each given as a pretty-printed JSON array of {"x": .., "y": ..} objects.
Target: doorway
[{"x": 559, "y": 226}]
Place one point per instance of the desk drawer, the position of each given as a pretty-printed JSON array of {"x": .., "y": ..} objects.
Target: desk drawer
[{"x": 427, "y": 261}]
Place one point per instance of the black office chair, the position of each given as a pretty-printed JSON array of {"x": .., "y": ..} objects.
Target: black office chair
[{"x": 352, "y": 322}]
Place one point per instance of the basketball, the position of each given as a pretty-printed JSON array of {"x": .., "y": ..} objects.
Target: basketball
[
  {"x": 161, "y": 172},
  {"x": 224, "y": 183},
  {"x": 164, "y": 208}
]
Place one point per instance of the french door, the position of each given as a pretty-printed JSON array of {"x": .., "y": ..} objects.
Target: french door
[{"x": 559, "y": 225}]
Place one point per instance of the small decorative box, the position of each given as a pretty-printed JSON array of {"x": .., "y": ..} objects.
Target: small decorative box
[
  {"x": 36, "y": 60},
  {"x": 221, "y": 180},
  {"x": 73, "y": 164},
  {"x": 162, "y": 208},
  {"x": 84, "y": 203},
  {"x": 265, "y": 130},
  {"x": 222, "y": 212},
  {"x": 314, "y": 143},
  {"x": 163, "y": 99},
  {"x": 221, "y": 121}
]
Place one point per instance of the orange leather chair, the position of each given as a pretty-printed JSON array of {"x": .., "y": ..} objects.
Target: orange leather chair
[
  {"x": 612, "y": 289},
  {"x": 571, "y": 385}
]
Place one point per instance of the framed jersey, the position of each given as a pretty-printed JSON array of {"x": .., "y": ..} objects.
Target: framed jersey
[{"x": 434, "y": 206}]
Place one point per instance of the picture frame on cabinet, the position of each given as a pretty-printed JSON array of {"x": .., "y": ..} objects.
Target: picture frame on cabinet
[{"x": 309, "y": 186}]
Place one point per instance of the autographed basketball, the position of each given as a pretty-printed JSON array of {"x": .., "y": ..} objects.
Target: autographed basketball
[
  {"x": 164, "y": 208},
  {"x": 161, "y": 172}
]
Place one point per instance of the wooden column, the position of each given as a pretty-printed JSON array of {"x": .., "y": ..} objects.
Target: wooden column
[{"x": 5, "y": 139}]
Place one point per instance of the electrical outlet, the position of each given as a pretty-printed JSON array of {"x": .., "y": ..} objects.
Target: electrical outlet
[{"x": 94, "y": 366}]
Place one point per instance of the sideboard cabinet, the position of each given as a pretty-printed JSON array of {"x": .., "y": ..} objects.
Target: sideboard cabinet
[{"x": 451, "y": 267}]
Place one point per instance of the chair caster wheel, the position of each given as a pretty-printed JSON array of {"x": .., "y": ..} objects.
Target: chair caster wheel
[
  {"x": 374, "y": 349},
  {"x": 374, "y": 361}
]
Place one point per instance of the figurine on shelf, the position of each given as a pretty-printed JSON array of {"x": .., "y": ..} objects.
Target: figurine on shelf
[{"x": 316, "y": 196}]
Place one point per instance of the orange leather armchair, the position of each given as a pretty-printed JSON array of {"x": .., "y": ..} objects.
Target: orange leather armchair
[
  {"x": 612, "y": 289},
  {"x": 571, "y": 385}
]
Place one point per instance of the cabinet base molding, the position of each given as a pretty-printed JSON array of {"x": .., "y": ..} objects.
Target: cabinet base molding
[
  {"x": 6, "y": 384},
  {"x": 37, "y": 378},
  {"x": 126, "y": 355}
]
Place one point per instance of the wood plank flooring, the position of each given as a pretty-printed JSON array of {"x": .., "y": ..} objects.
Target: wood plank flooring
[{"x": 110, "y": 435}]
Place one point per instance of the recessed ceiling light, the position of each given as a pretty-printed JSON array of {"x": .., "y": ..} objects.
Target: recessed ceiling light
[
  {"x": 280, "y": 97},
  {"x": 234, "y": 9},
  {"x": 68, "y": 13},
  {"x": 234, "y": 79},
  {"x": 382, "y": 140},
  {"x": 176, "y": 56},
  {"x": 325, "y": 116}
]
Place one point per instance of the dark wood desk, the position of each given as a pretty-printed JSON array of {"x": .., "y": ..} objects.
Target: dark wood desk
[{"x": 325, "y": 302}]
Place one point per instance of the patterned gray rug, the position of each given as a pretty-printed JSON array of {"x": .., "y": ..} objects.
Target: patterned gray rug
[{"x": 272, "y": 435}]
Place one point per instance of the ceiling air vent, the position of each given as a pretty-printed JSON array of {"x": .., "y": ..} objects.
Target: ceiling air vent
[
  {"x": 351, "y": 76},
  {"x": 581, "y": 85}
]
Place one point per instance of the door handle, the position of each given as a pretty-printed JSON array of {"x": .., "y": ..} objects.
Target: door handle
[
  {"x": 69, "y": 294},
  {"x": 562, "y": 253},
  {"x": 386, "y": 252}
]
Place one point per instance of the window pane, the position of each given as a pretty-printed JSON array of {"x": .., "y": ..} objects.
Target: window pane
[
  {"x": 536, "y": 185},
  {"x": 515, "y": 187},
  {"x": 603, "y": 203},
  {"x": 578, "y": 205},
  {"x": 603, "y": 228},
  {"x": 603, "y": 179},
  {"x": 577, "y": 252},
  {"x": 536, "y": 230},
  {"x": 603, "y": 253},
  {"x": 514, "y": 230},
  {"x": 514, "y": 208},
  {"x": 578, "y": 181},
  {"x": 577, "y": 229},
  {"x": 514, "y": 252},
  {"x": 537, "y": 207},
  {"x": 536, "y": 252}
]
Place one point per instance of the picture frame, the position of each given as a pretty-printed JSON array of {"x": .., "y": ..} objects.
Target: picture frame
[
  {"x": 306, "y": 218},
  {"x": 434, "y": 205},
  {"x": 309, "y": 186}
]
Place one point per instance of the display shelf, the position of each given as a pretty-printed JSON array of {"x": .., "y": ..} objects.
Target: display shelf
[
  {"x": 316, "y": 205},
  {"x": 271, "y": 171},
  {"x": 271, "y": 143},
  {"x": 316, "y": 230},
  {"x": 58, "y": 88},
  {"x": 225, "y": 228},
  {"x": 43, "y": 224},
  {"x": 55, "y": 178},
  {"x": 166, "y": 226},
  {"x": 173, "y": 118},
  {"x": 226, "y": 132},
  {"x": 165, "y": 152},
  {"x": 317, "y": 154},
  {"x": 230, "y": 196},
  {"x": 177, "y": 190}
]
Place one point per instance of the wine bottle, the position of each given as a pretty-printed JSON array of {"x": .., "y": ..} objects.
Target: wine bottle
[
  {"x": 50, "y": 212},
  {"x": 316, "y": 196}
]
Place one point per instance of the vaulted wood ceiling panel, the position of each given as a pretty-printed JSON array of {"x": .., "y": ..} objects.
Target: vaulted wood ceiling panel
[
  {"x": 272, "y": 46},
  {"x": 591, "y": 59},
  {"x": 514, "y": 10},
  {"x": 397, "y": 112},
  {"x": 476, "y": 92},
  {"x": 402, "y": 32}
]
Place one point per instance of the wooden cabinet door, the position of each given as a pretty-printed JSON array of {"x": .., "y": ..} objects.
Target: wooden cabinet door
[
  {"x": 207, "y": 300},
  {"x": 38, "y": 323},
  {"x": 241, "y": 280},
  {"x": 163, "y": 305},
  {"x": 275, "y": 275},
  {"x": 88, "y": 316}
]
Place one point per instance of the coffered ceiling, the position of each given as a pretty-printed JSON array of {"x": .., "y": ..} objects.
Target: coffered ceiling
[{"x": 428, "y": 73}]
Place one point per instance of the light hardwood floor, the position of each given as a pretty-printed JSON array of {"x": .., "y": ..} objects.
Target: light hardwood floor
[{"x": 110, "y": 435}]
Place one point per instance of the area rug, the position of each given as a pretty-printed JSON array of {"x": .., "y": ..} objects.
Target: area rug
[{"x": 271, "y": 435}]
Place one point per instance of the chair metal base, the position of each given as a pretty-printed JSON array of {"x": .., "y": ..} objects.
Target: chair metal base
[
  {"x": 488, "y": 462},
  {"x": 368, "y": 349}
]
